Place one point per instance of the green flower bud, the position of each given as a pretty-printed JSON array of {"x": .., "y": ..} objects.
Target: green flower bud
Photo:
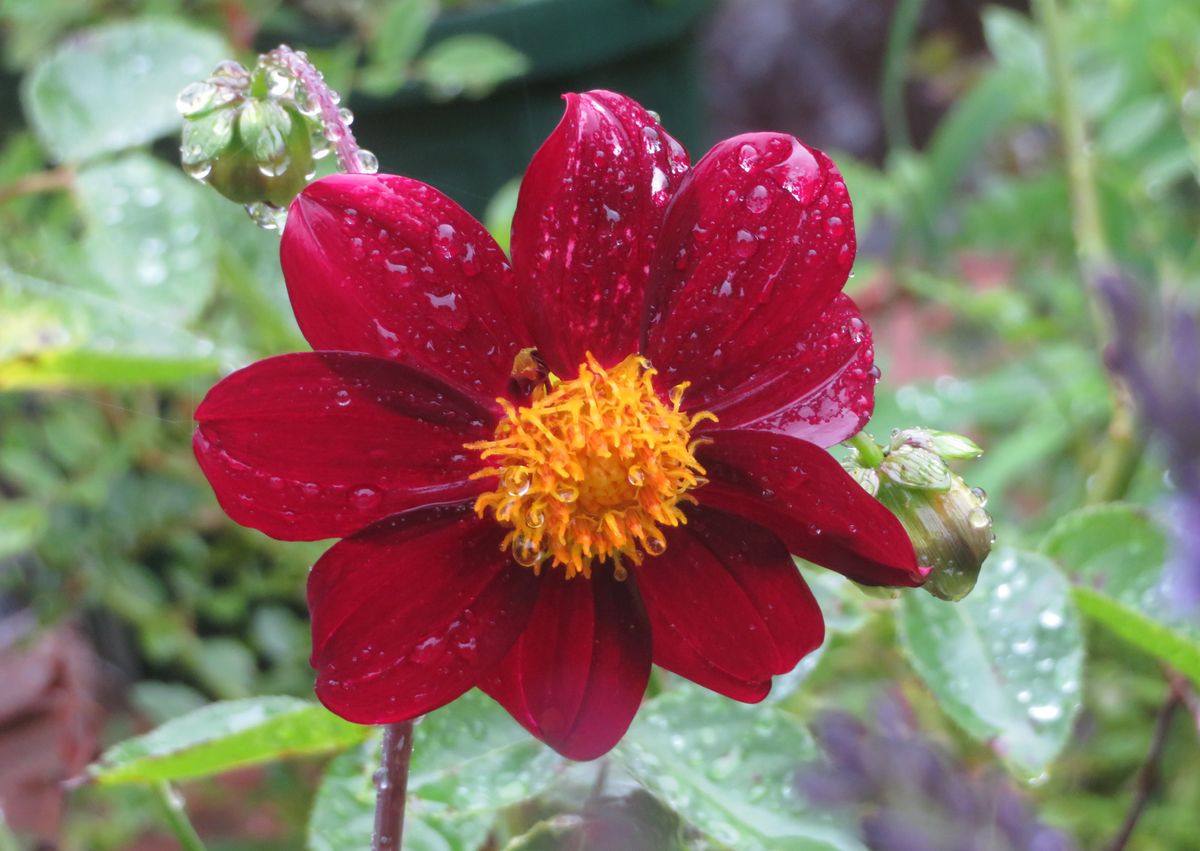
[
  {"x": 946, "y": 520},
  {"x": 245, "y": 136}
]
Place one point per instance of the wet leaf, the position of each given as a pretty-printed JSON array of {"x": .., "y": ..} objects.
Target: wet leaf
[
  {"x": 343, "y": 814},
  {"x": 470, "y": 65},
  {"x": 114, "y": 87},
  {"x": 728, "y": 770},
  {"x": 1115, "y": 554},
  {"x": 472, "y": 757},
  {"x": 54, "y": 335},
  {"x": 21, "y": 524},
  {"x": 226, "y": 735},
  {"x": 1006, "y": 662},
  {"x": 150, "y": 236}
]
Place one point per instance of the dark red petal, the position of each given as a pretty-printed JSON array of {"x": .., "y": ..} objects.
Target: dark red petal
[
  {"x": 576, "y": 676},
  {"x": 321, "y": 444},
  {"x": 799, "y": 492},
  {"x": 408, "y": 613},
  {"x": 389, "y": 266},
  {"x": 821, "y": 388},
  {"x": 587, "y": 220},
  {"x": 757, "y": 242},
  {"x": 727, "y": 599}
]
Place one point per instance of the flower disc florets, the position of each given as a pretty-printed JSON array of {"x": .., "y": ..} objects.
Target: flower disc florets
[{"x": 592, "y": 468}]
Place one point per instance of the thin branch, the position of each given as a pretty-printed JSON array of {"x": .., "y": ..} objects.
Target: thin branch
[
  {"x": 1147, "y": 778},
  {"x": 1122, "y": 450},
  {"x": 391, "y": 786},
  {"x": 895, "y": 72},
  {"x": 336, "y": 128},
  {"x": 38, "y": 182}
]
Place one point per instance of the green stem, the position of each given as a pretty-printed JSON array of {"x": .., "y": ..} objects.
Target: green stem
[
  {"x": 870, "y": 453},
  {"x": 895, "y": 72},
  {"x": 171, "y": 805},
  {"x": 1121, "y": 452},
  {"x": 8, "y": 842}
]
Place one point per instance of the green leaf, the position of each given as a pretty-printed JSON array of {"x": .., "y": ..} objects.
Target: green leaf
[
  {"x": 53, "y": 335},
  {"x": 398, "y": 36},
  {"x": 1006, "y": 662},
  {"x": 150, "y": 236},
  {"x": 21, "y": 524},
  {"x": 470, "y": 65},
  {"x": 1115, "y": 553},
  {"x": 227, "y": 735},
  {"x": 472, "y": 757},
  {"x": 728, "y": 769},
  {"x": 343, "y": 814},
  {"x": 113, "y": 87}
]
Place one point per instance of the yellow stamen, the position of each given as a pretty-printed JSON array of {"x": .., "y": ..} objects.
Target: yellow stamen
[{"x": 591, "y": 468}]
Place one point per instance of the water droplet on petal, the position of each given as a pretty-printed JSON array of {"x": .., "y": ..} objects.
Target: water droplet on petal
[{"x": 758, "y": 200}]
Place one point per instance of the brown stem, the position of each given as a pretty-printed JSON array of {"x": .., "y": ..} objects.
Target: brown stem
[
  {"x": 391, "y": 785},
  {"x": 344, "y": 145},
  {"x": 1147, "y": 778},
  {"x": 42, "y": 181}
]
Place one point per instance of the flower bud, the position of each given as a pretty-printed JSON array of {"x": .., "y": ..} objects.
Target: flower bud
[
  {"x": 946, "y": 520},
  {"x": 246, "y": 136}
]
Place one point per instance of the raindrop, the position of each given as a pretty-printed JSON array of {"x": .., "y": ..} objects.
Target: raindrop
[
  {"x": 567, "y": 493},
  {"x": 366, "y": 498},
  {"x": 198, "y": 170},
  {"x": 758, "y": 200},
  {"x": 195, "y": 98},
  {"x": 978, "y": 518},
  {"x": 635, "y": 476},
  {"x": 526, "y": 551},
  {"x": 346, "y": 116},
  {"x": 367, "y": 162},
  {"x": 1045, "y": 712},
  {"x": 1050, "y": 619},
  {"x": 516, "y": 481},
  {"x": 748, "y": 157},
  {"x": 656, "y": 544},
  {"x": 745, "y": 244},
  {"x": 981, "y": 495},
  {"x": 266, "y": 216},
  {"x": 342, "y": 397},
  {"x": 835, "y": 227}
]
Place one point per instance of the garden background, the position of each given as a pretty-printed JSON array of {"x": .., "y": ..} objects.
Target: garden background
[{"x": 1025, "y": 185}]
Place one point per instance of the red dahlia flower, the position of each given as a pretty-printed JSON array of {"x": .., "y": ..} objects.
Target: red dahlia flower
[{"x": 549, "y": 474}]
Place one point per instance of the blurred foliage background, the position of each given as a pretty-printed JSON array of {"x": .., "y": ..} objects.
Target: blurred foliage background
[{"x": 1022, "y": 718}]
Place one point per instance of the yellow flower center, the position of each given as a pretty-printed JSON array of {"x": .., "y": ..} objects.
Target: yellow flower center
[{"x": 591, "y": 469}]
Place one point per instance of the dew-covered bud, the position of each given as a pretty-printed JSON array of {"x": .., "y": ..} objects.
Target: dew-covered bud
[
  {"x": 946, "y": 520},
  {"x": 246, "y": 135}
]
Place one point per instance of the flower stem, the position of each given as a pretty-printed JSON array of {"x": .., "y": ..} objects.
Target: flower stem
[
  {"x": 1148, "y": 776},
  {"x": 391, "y": 786},
  {"x": 171, "y": 805},
  {"x": 870, "y": 454},
  {"x": 1121, "y": 452},
  {"x": 895, "y": 72},
  {"x": 344, "y": 143}
]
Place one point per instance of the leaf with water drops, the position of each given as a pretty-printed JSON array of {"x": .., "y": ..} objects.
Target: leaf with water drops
[
  {"x": 471, "y": 756},
  {"x": 149, "y": 236},
  {"x": 114, "y": 87},
  {"x": 728, "y": 769},
  {"x": 1005, "y": 663},
  {"x": 343, "y": 814},
  {"x": 1115, "y": 554},
  {"x": 226, "y": 735}
]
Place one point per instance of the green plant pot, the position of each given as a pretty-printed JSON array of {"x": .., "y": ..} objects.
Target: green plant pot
[{"x": 470, "y": 148}]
